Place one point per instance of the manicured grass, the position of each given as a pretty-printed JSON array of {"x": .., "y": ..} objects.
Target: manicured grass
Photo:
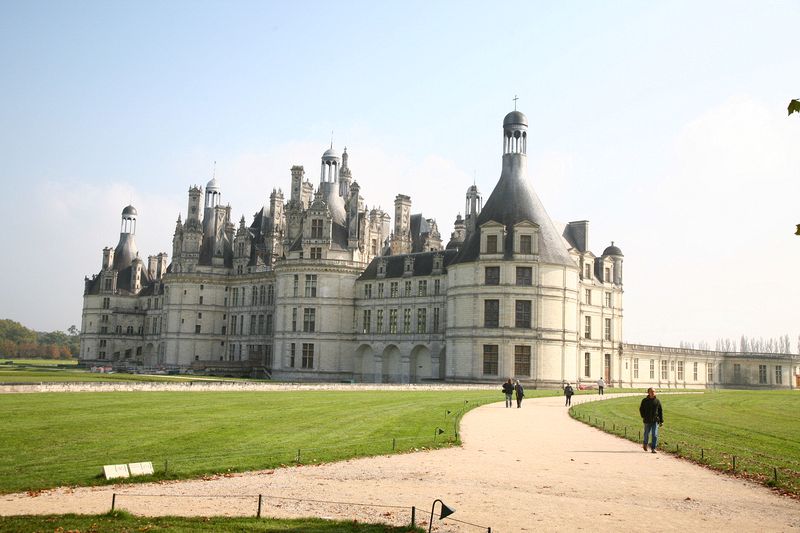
[
  {"x": 39, "y": 362},
  {"x": 125, "y": 522},
  {"x": 27, "y": 374},
  {"x": 53, "y": 439},
  {"x": 760, "y": 429}
]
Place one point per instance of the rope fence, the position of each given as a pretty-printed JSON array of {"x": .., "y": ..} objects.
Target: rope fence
[
  {"x": 781, "y": 473},
  {"x": 260, "y": 504}
]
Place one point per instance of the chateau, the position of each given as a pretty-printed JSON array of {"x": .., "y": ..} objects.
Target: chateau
[{"x": 320, "y": 288}]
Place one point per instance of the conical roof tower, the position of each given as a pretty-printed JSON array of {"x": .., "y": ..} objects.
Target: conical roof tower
[{"x": 513, "y": 200}]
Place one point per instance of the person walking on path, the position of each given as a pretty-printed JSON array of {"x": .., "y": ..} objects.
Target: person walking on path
[
  {"x": 520, "y": 393},
  {"x": 568, "y": 392},
  {"x": 601, "y": 384},
  {"x": 508, "y": 390},
  {"x": 653, "y": 418}
]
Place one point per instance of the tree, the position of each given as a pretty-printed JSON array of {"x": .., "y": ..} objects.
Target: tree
[{"x": 794, "y": 106}]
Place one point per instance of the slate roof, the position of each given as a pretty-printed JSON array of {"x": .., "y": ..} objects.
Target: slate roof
[
  {"x": 512, "y": 201},
  {"x": 395, "y": 264}
]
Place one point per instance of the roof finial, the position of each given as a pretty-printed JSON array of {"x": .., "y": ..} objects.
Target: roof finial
[
  {"x": 612, "y": 243},
  {"x": 331, "y": 139},
  {"x": 474, "y": 176},
  {"x": 515, "y": 101},
  {"x": 214, "y": 172}
]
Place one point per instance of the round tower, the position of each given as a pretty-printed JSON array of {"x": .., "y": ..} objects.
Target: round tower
[{"x": 213, "y": 193}]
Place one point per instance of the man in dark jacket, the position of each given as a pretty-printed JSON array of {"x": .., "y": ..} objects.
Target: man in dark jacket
[
  {"x": 508, "y": 390},
  {"x": 520, "y": 393},
  {"x": 653, "y": 418},
  {"x": 568, "y": 392}
]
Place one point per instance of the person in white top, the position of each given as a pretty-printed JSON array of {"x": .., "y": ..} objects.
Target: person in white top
[{"x": 600, "y": 386}]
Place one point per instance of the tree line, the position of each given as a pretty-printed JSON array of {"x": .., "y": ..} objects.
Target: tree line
[
  {"x": 18, "y": 341},
  {"x": 745, "y": 344}
]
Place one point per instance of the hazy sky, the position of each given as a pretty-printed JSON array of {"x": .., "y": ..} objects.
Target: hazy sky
[{"x": 662, "y": 123}]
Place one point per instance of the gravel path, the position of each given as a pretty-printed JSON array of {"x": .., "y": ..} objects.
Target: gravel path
[{"x": 529, "y": 469}]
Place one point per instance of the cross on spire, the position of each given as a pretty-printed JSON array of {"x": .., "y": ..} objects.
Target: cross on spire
[
  {"x": 214, "y": 172},
  {"x": 515, "y": 101}
]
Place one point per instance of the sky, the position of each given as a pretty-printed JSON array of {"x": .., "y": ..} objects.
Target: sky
[{"x": 662, "y": 123}]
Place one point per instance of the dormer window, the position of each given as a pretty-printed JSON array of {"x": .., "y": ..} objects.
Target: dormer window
[
  {"x": 492, "y": 234},
  {"x": 381, "y": 268},
  {"x": 491, "y": 244},
  {"x": 525, "y": 238},
  {"x": 316, "y": 228},
  {"x": 408, "y": 266},
  {"x": 587, "y": 270},
  {"x": 438, "y": 262}
]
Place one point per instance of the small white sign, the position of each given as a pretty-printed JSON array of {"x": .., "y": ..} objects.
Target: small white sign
[
  {"x": 141, "y": 469},
  {"x": 115, "y": 471}
]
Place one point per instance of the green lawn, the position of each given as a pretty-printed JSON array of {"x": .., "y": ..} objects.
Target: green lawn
[
  {"x": 124, "y": 522},
  {"x": 53, "y": 439},
  {"x": 39, "y": 362},
  {"x": 760, "y": 429}
]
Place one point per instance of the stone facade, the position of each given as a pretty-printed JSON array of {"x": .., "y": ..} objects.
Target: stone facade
[{"x": 320, "y": 288}]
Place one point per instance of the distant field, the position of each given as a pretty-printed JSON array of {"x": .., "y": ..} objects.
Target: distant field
[
  {"x": 53, "y": 439},
  {"x": 121, "y": 521},
  {"x": 39, "y": 362},
  {"x": 48, "y": 371},
  {"x": 761, "y": 429}
]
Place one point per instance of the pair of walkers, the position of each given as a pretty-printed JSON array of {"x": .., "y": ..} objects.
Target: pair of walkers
[{"x": 511, "y": 389}]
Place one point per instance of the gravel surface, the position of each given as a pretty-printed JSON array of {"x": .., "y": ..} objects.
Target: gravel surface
[{"x": 529, "y": 469}]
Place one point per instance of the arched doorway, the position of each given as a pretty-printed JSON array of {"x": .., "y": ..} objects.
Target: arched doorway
[{"x": 391, "y": 372}]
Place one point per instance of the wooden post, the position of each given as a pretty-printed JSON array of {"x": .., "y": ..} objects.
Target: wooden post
[
  {"x": 775, "y": 474},
  {"x": 297, "y": 460},
  {"x": 413, "y": 516},
  {"x": 734, "y": 463},
  {"x": 394, "y": 443},
  {"x": 258, "y": 514},
  {"x": 113, "y": 501},
  {"x": 702, "y": 453}
]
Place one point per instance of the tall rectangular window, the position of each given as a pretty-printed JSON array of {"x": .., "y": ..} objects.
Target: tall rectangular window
[
  {"x": 368, "y": 291},
  {"x": 587, "y": 270},
  {"x": 311, "y": 285},
  {"x": 260, "y": 324},
  {"x": 492, "y": 275},
  {"x": 407, "y": 287},
  {"x": 491, "y": 313},
  {"x": 608, "y": 299},
  {"x": 393, "y": 289},
  {"x": 709, "y": 372},
  {"x": 522, "y": 361},
  {"x": 292, "y": 355},
  {"x": 379, "y": 321},
  {"x": 366, "y": 322},
  {"x": 295, "y": 287},
  {"x": 316, "y": 228},
  {"x": 587, "y": 296},
  {"x": 436, "y": 320},
  {"x": 106, "y": 303},
  {"x": 490, "y": 359},
  {"x": 522, "y": 314},
  {"x": 268, "y": 325},
  {"x": 664, "y": 369},
  {"x": 308, "y": 355},
  {"x": 253, "y": 296},
  {"x": 437, "y": 286},
  {"x": 779, "y": 375},
  {"x": 694, "y": 371},
  {"x": 525, "y": 244},
  {"x": 422, "y": 288},
  {"x": 652, "y": 368},
  {"x": 680, "y": 370},
  {"x": 233, "y": 324},
  {"x": 762, "y": 374},
  {"x": 406, "y": 320},
  {"x": 422, "y": 320},
  {"x": 270, "y": 294},
  {"x": 294, "y": 319},
  {"x": 524, "y": 276},
  {"x": 309, "y": 320},
  {"x": 587, "y": 364},
  {"x": 380, "y": 290},
  {"x": 607, "y": 332},
  {"x": 316, "y": 252},
  {"x": 636, "y": 368},
  {"x": 737, "y": 373},
  {"x": 252, "y": 329},
  {"x": 393, "y": 321},
  {"x": 587, "y": 329},
  {"x": 491, "y": 244}
]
